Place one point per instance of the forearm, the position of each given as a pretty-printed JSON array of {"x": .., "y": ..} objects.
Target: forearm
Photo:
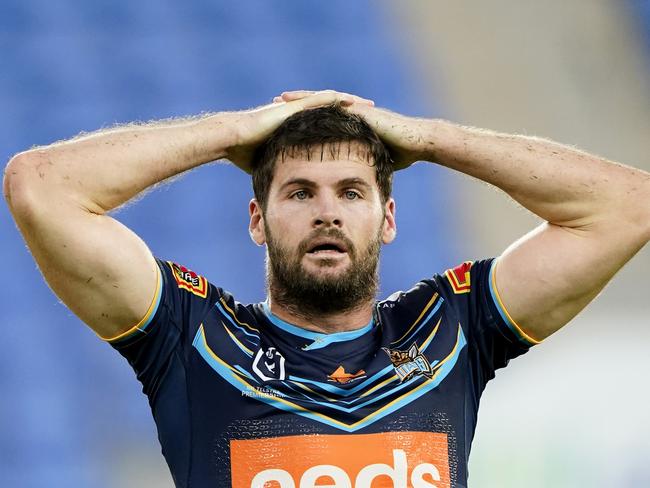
[
  {"x": 560, "y": 184},
  {"x": 103, "y": 170}
]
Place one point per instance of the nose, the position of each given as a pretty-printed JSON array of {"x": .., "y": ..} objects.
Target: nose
[{"x": 327, "y": 213}]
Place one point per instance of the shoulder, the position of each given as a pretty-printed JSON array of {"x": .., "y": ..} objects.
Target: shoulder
[
  {"x": 187, "y": 294},
  {"x": 463, "y": 282},
  {"x": 184, "y": 278},
  {"x": 454, "y": 287},
  {"x": 197, "y": 295},
  {"x": 405, "y": 311},
  {"x": 185, "y": 282},
  {"x": 450, "y": 283}
]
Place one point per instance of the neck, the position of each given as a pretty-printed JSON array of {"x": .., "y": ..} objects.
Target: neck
[{"x": 343, "y": 321}]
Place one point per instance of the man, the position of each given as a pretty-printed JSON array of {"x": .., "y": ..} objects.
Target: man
[{"x": 321, "y": 384}]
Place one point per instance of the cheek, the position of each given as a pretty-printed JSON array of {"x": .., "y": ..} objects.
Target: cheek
[
  {"x": 284, "y": 231},
  {"x": 286, "y": 214},
  {"x": 368, "y": 227},
  {"x": 290, "y": 217},
  {"x": 282, "y": 226}
]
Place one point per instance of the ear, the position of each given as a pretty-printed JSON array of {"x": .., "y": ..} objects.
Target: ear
[
  {"x": 389, "y": 230},
  {"x": 256, "y": 225}
]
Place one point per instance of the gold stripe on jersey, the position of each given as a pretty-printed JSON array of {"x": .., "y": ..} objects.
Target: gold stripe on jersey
[{"x": 424, "y": 311}]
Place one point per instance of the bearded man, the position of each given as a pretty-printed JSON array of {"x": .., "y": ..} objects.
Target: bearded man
[{"x": 321, "y": 383}]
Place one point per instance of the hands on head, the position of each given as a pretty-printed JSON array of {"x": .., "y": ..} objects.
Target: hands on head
[
  {"x": 254, "y": 126},
  {"x": 345, "y": 99}
]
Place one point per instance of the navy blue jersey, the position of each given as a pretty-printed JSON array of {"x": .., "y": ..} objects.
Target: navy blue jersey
[{"x": 242, "y": 398}]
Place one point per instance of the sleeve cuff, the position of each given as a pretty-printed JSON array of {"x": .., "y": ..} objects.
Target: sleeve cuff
[
  {"x": 503, "y": 312},
  {"x": 141, "y": 327}
]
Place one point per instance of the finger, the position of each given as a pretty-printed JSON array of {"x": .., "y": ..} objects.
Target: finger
[
  {"x": 299, "y": 94},
  {"x": 354, "y": 98},
  {"x": 319, "y": 99},
  {"x": 296, "y": 95},
  {"x": 358, "y": 99}
]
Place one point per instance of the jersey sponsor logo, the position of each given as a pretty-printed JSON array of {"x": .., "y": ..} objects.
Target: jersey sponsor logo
[
  {"x": 395, "y": 459},
  {"x": 459, "y": 277},
  {"x": 189, "y": 280},
  {"x": 340, "y": 376},
  {"x": 269, "y": 364},
  {"x": 409, "y": 363}
]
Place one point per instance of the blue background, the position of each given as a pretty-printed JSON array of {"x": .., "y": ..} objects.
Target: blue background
[
  {"x": 67, "y": 401},
  {"x": 71, "y": 66}
]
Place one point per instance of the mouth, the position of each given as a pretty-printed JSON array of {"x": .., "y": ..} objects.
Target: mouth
[{"x": 328, "y": 247}]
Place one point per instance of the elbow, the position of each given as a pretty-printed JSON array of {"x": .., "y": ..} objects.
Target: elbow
[
  {"x": 646, "y": 220},
  {"x": 13, "y": 179},
  {"x": 633, "y": 208},
  {"x": 644, "y": 203},
  {"x": 19, "y": 184},
  {"x": 33, "y": 185},
  {"x": 643, "y": 215}
]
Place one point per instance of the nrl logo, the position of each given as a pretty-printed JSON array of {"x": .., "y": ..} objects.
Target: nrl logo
[
  {"x": 409, "y": 363},
  {"x": 269, "y": 364}
]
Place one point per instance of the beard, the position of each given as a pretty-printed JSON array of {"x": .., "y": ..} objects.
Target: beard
[{"x": 322, "y": 294}]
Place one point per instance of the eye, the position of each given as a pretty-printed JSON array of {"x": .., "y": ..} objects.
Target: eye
[
  {"x": 300, "y": 195},
  {"x": 351, "y": 195}
]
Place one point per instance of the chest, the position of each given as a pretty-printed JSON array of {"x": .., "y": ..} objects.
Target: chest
[{"x": 346, "y": 386}]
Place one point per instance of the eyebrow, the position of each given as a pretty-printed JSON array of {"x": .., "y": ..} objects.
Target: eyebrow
[
  {"x": 312, "y": 184},
  {"x": 355, "y": 182},
  {"x": 298, "y": 182}
]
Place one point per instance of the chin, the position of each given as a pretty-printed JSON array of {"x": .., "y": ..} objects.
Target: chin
[{"x": 326, "y": 269}]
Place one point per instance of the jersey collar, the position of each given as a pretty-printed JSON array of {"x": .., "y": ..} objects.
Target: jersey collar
[{"x": 320, "y": 339}]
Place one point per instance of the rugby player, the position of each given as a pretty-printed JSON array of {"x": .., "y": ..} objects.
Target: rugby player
[{"x": 322, "y": 384}]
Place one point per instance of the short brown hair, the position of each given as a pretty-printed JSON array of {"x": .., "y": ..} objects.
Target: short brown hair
[{"x": 324, "y": 126}]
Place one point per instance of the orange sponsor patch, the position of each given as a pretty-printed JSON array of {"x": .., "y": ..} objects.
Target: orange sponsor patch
[{"x": 388, "y": 459}]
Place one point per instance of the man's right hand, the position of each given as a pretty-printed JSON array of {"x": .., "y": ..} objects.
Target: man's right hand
[{"x": 252, "y": 127}]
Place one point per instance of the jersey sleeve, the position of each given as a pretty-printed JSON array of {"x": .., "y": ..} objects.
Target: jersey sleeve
[
  {"x": 163, "y": 336},
  {"x": 494, "y": 338}
]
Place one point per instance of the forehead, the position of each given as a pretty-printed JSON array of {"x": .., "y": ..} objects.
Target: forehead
[{"x": 326, "y": 164}]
